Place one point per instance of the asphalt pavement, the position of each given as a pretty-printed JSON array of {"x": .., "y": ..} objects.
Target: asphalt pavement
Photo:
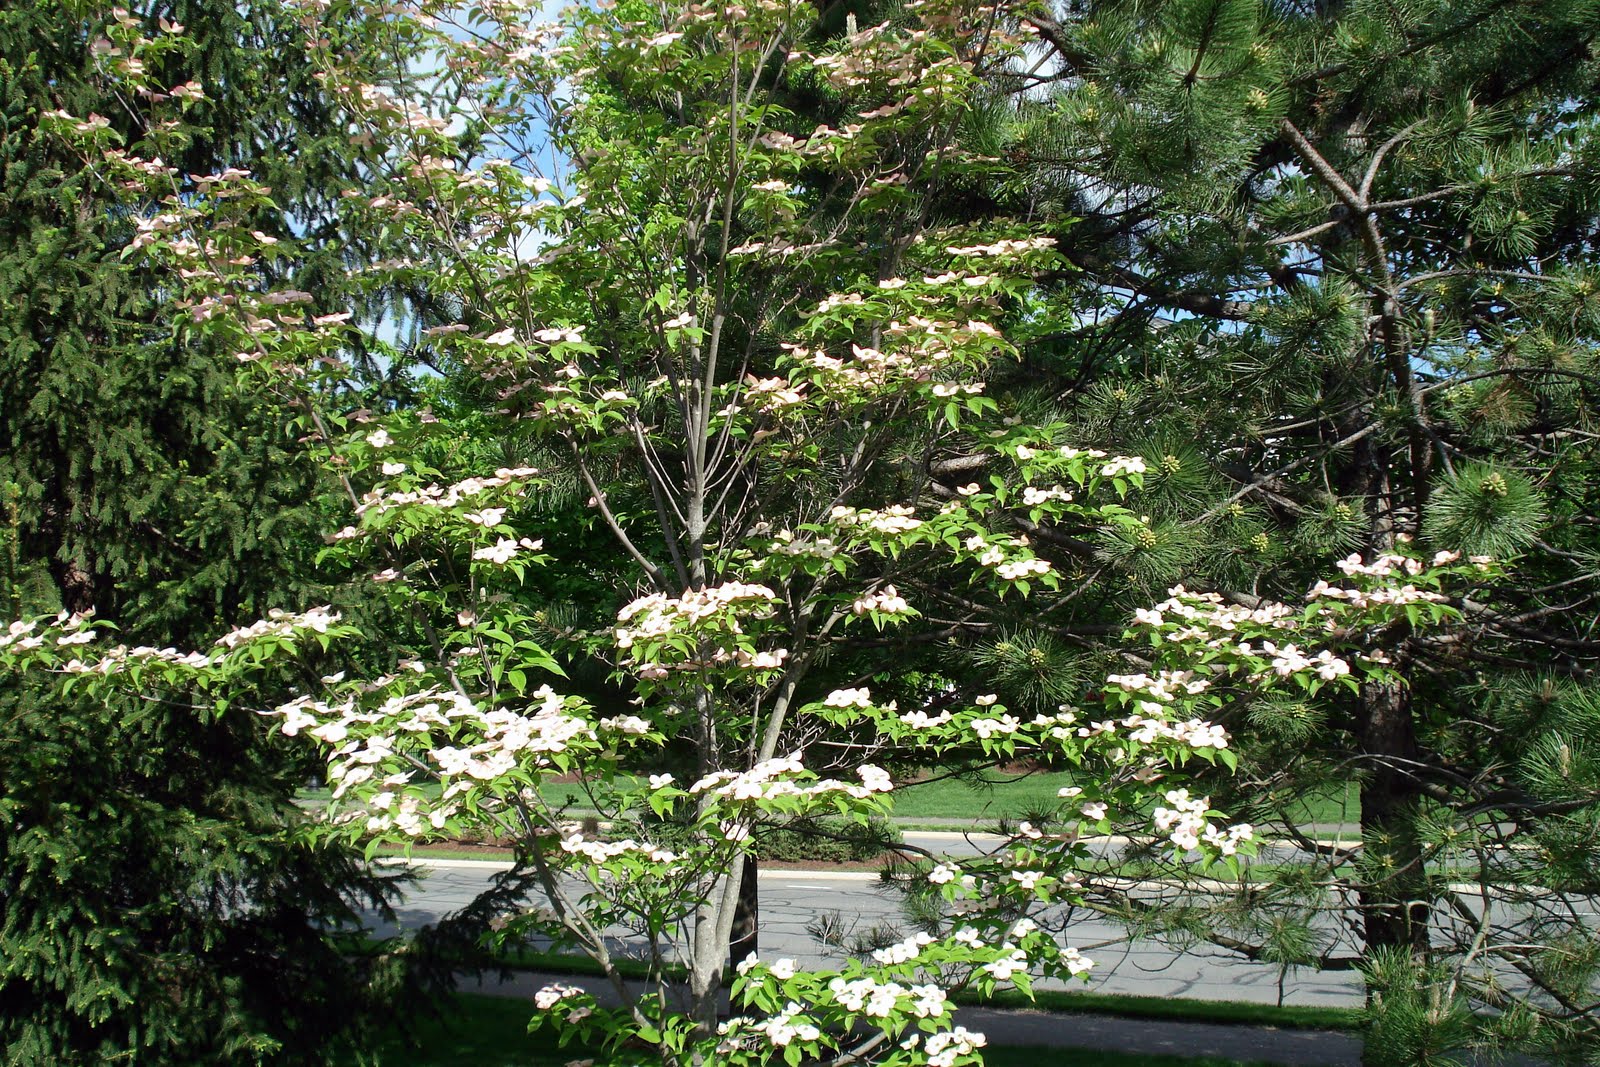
[{"x": 792, "y": 902}]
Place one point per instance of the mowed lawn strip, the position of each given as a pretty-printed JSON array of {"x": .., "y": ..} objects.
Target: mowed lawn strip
[
  {"x": 983, "y": 800},
  {"x": 996, "y": 795}
]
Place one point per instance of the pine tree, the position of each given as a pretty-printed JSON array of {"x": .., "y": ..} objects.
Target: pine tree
[
  {"x": 161, "y": 902},
  {"x": 1333, "y": 279}
]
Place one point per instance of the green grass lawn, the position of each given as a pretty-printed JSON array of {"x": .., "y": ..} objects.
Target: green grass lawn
[
  {"x": 996, "y": 796},
  {"x": 1009, "y": 797},
  {"x": 492, "y": 1032},
  {"x": 1332, "y": 807},
  {"x": 986, "y": 799}
]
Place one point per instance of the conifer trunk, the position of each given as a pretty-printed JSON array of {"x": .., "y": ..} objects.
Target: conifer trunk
[
  {"x": 1395, "y": 910},
  {"x": 1395, "y": 907}
]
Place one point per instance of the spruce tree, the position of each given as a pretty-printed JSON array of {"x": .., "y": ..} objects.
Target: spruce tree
[
  {"x": 162, "y": 904},
  {"x": 1333, "y": 278}
]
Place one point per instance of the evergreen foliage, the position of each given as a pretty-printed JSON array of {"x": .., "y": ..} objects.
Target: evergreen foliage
[
  {"x": 1334, "y": 280},
  {"x": 153, "y": 482},
  {"x": 161, "y": 901}
]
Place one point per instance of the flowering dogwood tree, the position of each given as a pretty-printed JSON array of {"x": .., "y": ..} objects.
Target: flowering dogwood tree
[{"x": 747, "y": 338}]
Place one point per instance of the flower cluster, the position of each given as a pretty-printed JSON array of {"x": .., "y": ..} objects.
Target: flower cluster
[
  {"x": 1004, "y": 247},
  {"x": 1077, "y": 963},
  {"x": 445, "y": 496},
  {"x": 1363, "y": 598},
  {"x": 1152, "y": 721},
  {"x": 921, "y": 720},
  {"x": 486, "y": 743},
  {"x": 1009, "y": 556},
  {"x": 1033, "y": 496},
  {"x": 891, "y": 521},
  {"x": 944, "y": 1049},
  {"x": 1257, "y": 639},
  {"x": 600, "y": 853},
  {"x": 774, "y": 394},
  {"x": 702, "y": 629},
  {"x": 658, "y": 615},
  {"x": 116, "y": 659},
  {"x": 780, "y": 1029},
  {"x": 404, "y": 812},
  {"x": 22, "y": 634},
  {"x": 505, "y": 550},
  {"x": 1186, "y": 825},
  {"x": 1197, "y": 734},
  {"x": 1017, "y": 960},
  {"x": 549, "y": 996},
  {"x": 65, "y": 630},
  {"x": 776, "y": 778},
  {"x": 1015, "y": 569},
  {"x": 1122, "y": 466},
  {"x": 918, "y": 352},
  {"x": 849, "y": 698},
  {"x": 1288, "y": 659},
  {"x": 785, "y": 543},
  {"x": 885, "y": 601},
  {"x": 1207, "y": 615},
  {"x": 994, "y": 726},
  {"x": 280, "y": 624},
  {"x": 903, "y": 951},
  {"x": 45, "y": 640},
  {"x": 867, "y": 996},
  {"x": 1393, "y": 563},
  {"x": 1164, "y": 686}
]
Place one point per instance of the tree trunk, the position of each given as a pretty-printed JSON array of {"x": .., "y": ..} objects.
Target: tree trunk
[
  {"x": 76, "y": 586},
  {"x": 746, "y": 918},
  {"x": 1395, "y": 907}
]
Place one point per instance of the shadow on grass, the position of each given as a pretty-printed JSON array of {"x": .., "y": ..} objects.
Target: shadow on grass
[{"x": 492, "y": 1032}]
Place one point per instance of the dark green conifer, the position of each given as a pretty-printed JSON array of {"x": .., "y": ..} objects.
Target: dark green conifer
[
  {"x": 1334, "y": 279},
  {"x": 161, "y": 902}
]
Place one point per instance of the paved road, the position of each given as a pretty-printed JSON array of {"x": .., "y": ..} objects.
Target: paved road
[{"x": 792, "y": 901}]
